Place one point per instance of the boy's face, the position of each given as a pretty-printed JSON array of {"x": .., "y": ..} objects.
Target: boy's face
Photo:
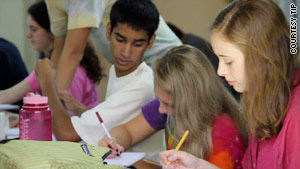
[{"x": 127, "y": 47}]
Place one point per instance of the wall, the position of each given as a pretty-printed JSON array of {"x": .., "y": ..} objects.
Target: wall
[
  {"x": 192, "y": 16},
  {"x": 13, "y": 28}
]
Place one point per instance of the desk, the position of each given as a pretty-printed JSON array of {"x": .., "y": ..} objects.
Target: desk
[{"x": 145, "y": 164}]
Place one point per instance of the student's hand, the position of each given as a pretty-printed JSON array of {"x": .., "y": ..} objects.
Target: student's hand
[
  {"x": 183, "y": 160},
  {"x": 73, "y": 107},
  {"x": 110, "y": 143},
  {"x": 45, "y": 71}
]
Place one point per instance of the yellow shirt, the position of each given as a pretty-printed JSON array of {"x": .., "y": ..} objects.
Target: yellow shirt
[{"x": 73, "y": 14}]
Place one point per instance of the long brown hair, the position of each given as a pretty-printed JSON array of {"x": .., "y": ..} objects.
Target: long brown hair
[
  {"x": 259, "y": 29},
  {"x": 198, "y": 95},
  {"x": 91, "y": 63}
]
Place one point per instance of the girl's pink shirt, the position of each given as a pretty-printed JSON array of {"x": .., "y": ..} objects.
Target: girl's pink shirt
[
  {"x": 82, "y": 88},
  {"x": 281, "y": 151}
]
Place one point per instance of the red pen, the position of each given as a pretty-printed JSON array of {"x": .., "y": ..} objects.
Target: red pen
[
  {"x": 106, "y": 131},
  {"x": 103, "y": 125}
]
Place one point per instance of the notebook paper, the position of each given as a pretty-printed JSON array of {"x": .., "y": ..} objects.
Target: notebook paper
[
  {"x": 9, "y": 107},
  {"x": 126, "y": 158}
]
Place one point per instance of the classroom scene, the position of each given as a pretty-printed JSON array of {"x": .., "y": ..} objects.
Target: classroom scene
[{"x": 149, "y": 84}]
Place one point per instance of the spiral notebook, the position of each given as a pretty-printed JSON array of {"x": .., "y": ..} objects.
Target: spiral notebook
[{"x": 126, "y": 158}]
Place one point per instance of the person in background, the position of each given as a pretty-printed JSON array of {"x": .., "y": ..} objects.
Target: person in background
[
  {"x": 88, "y": 74},
  {"x": 72, "y": 23},
  {"x": 190, "y": 96},
  {"x": 252, "y": 41},
  {"x": 130, "y": 83},
  {"x": 12, "y": 66}
]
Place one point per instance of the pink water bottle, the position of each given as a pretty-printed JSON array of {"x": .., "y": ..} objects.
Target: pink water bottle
[{"x": 35, "y": 118}]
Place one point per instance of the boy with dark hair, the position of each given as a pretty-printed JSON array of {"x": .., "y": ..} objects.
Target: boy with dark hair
[
  {"x": 130, "y": 86},
  {"x": 73, "y": 21}
]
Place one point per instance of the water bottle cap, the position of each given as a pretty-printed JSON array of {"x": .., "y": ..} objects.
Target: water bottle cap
[{"x": 32, "y": 98}]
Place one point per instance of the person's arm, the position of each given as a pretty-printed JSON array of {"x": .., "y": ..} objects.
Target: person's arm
[
  {"x": 72, "y": 106},
  {"x": 59, "y": 42},
  {"x": 15, "y": 93},
  {"x": 183, "y": 160},
  {"x": 118, "y": 108},
  {"x": 62, "y": 126},
  {"x": 128, "y": 134},
  {"x": 71, "y": 56},
  {"x": 133, "y": 132}
]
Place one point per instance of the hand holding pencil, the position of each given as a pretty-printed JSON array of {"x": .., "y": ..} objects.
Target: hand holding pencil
[
  {"x": 174, "y": 159},
  {"x": 178, "y": 146}
]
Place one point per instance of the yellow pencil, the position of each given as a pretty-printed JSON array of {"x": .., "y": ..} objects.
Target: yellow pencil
[{"x": 179, "y": 145}]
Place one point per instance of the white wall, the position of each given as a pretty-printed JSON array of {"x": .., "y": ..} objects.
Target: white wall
[{"x": 13, "y": 28}]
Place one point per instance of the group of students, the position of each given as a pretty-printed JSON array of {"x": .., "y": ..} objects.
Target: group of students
[{"x": 251, "y": 40}]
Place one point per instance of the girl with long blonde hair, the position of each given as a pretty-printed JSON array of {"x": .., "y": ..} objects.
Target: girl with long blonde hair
[{"x": 190, "y": 96}]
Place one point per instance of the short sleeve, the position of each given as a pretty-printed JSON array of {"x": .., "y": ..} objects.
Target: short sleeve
[
  {"x": 58, "y": 17},
  {"x": 75, "y": 14},
  {"x": 32, "y": 82},
  {"x": 152, "y": 115},
  {"x": 83, "y": 14}
]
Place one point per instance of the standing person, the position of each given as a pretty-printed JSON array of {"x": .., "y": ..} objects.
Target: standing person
[
  {"x": 251, "y": 39},
  {"x": 72, "y": 22},
  {"x": 87, "y": 75},
  {"x": 190, "y": 96},
  {"x": 130, "y": 82},
  {"x": 12, "y": 66}
]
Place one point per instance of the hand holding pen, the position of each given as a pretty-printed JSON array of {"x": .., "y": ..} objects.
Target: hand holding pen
[{"x": 108, "y": 141}]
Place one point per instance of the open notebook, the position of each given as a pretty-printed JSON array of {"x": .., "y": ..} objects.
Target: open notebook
[{"x": 126, "y": 159}]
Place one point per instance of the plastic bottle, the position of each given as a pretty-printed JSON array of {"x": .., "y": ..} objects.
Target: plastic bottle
[{"x": 35, "y": 118}]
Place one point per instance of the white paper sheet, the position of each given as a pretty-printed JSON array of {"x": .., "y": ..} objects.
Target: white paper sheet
[
  {"x": 126, "y": 158},
  {"x": 9, "y": 107}
]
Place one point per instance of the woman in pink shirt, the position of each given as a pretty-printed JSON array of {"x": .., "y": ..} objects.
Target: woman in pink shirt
[
  {"x": 257, "y": 57},
  {"x": 84, "y": 85}
]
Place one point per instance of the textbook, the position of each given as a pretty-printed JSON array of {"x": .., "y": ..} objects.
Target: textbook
[{"x": 126, "y": 158}]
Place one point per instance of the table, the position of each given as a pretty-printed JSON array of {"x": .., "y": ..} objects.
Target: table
[{"x": 146, "y": 164}]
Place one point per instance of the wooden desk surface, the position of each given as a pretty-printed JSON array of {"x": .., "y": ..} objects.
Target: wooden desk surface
[{"x": 145, "y": 164}]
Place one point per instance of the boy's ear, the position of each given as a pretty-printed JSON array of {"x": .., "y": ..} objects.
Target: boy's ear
[
  {"x": 108, "y": 31},
  {"x": 151, "y": 41}
]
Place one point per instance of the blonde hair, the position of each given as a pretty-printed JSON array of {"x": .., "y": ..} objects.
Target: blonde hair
[
  {"x": 260, "y": 30},
  {"x": 198, "y": 95}
]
